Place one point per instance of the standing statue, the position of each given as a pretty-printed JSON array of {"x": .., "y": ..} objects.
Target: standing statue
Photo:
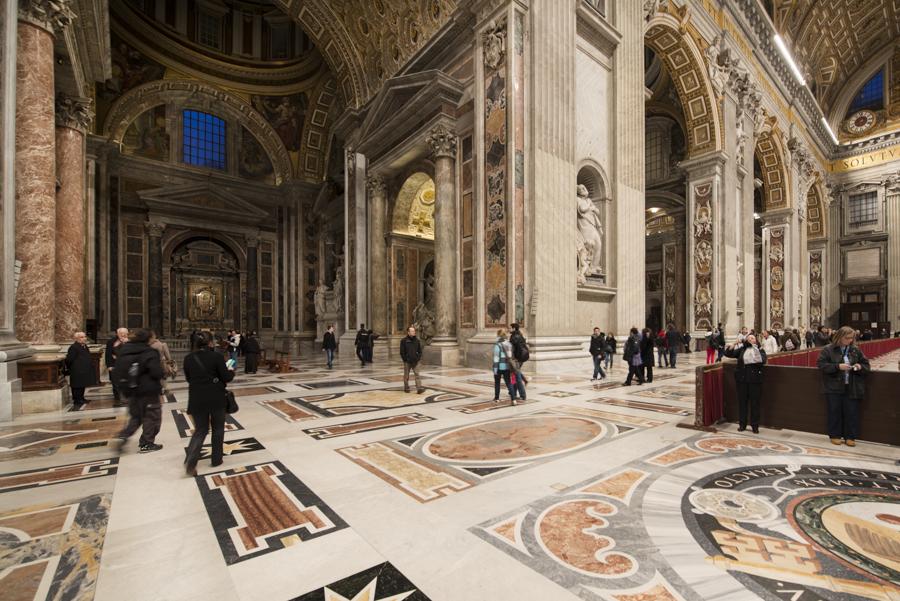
[
  {"x": 590, "y": 236},
  {"x": 338, "y": 288},
  {"x": 320, "y": 300}
]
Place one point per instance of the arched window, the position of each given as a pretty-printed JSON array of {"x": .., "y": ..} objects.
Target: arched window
[
  {"x": 204, "y": 140},
  {"x": 871, "y": 95}
]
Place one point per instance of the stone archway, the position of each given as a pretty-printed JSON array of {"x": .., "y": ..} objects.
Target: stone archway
[
  {"x": 686, "y": 68},
  {"x": 770, "y": 155}
]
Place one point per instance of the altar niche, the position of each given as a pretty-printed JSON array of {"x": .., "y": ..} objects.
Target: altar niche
[{"x": 206, "y": 281}]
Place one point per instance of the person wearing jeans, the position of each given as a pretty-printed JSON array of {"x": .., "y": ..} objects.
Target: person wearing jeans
[
  {"x": 329, "y": 344},
  {"x": 673, "y": 341},
  {"x": 501, "y": 353},
  {"x": 138, "y": 373},
  {"x": 844, "y": 368}
]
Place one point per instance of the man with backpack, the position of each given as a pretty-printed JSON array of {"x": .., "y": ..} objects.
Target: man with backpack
[
  {"x": 138, "y": 375},
  {"x": 521, "y": 354},
  {"x": 362, "y": 344}
]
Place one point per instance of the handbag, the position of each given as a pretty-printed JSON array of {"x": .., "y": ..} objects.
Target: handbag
[
  {"x": 231, "y": 405},
  {"x": 511, "y": 361}
]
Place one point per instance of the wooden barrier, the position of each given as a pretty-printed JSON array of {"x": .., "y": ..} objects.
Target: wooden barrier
[
  {"x": 808, "y": 357},
  {"x": 792, "y": 399}
]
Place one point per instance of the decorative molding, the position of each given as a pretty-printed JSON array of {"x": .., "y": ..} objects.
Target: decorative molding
[
  {"x": 193, "y": 93},
  {"x": 494, "y": 43},
  {"x": 75, "y": 113},
  {"x": 375, "y": 185},
  {"x": 252, "y": 239},
  {"x": 442, "y": 142},
  {"x": 53, "y": 15},
  {"x": 154, "y": 228}
]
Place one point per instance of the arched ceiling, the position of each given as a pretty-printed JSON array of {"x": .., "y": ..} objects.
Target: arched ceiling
[
  {"x": 366, "y": 42},
  {"x": 832, "y": 39}
]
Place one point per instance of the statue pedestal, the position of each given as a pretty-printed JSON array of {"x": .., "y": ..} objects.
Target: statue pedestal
[
  {"x": 445, "y": 353},
  {"x": 324, "y": 321},
  {"x": 10, "y": 380}
]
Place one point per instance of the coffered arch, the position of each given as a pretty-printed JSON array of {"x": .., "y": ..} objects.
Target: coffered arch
[
  {"x": 816, "y": 224},
  {"x": 366, "y": 42},
  {"x": 686, "y": 68},
  {"x": 770, "y": 155}
]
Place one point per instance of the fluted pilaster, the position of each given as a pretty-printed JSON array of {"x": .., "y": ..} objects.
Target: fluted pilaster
[{"x": 378, "y": 280}]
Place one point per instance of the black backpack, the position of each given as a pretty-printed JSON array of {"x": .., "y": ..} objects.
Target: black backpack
[
  {"x": 520, "y": 351},
  {"x": 127, "y": 372}
]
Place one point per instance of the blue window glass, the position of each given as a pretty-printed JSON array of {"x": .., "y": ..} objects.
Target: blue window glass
[
  {"x": 204, "y": 140},
  {"x": 871, "y": 95}
]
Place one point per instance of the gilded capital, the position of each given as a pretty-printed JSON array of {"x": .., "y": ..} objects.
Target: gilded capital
[
  {"x": 442, "y": 142},
  {"x": 75, "y": 113},
  {"x": 52, "y": 15},
  {"x": 375, "y": 184}
]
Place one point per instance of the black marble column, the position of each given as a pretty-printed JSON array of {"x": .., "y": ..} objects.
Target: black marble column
[
  {"x": 252, "y": 283},
  {"x": 154, "y": 277}
]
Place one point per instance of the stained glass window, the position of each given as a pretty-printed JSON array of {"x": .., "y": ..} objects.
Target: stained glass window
[
  {"x": 204, "y": 140},
  {"x": 871, "y": 95}
]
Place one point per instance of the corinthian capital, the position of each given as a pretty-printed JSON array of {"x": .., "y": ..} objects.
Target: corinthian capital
[
  {"x": 76, "y": 113},
  {"x": 375, "y": 185},
  {"x": 442, "y": 142},
  {"x": 155, "y": 229},
  {"x": 52, "y": 15}
]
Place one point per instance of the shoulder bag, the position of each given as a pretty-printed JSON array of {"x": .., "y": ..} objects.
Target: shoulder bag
[{"x": 231, "y": 405}]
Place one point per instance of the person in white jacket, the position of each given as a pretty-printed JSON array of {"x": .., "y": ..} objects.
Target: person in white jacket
[{"x": 770, "y": 343}]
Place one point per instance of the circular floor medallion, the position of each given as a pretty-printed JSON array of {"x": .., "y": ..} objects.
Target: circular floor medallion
[{"x": 515, "y": 439}]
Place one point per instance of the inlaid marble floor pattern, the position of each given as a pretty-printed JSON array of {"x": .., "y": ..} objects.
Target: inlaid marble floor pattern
[{"x": 338, "y": 486}]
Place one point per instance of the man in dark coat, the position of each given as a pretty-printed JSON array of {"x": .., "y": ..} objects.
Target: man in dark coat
[
  {"x": 112, "y": 347},
  {"x": 631, "y": 354},
  {"x": 370, "y": 347},
  {"x": 411, "y": 353},
  {"x": 362, "y": 344},
  {"x": 673, "y": 341},
  {"x": 329, "y": 344},
  {"x": 80, "y": 369},
  {"x": 251, "y": 353},
  {"x": 138, "y": 374}
]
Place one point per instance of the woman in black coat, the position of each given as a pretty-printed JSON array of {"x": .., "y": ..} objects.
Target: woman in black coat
[
  {"x": 844, "y": 367},
  {"x": 80, "y": 369},
  {"x": 648, "y": 342},
  {"x": 206, "y": 375},
  {"x": 749, "y": 378}
]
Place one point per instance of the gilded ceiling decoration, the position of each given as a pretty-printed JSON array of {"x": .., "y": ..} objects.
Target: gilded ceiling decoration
[
  {"x": 366, "y": 42},
  {"x": 832, "y": 39}
]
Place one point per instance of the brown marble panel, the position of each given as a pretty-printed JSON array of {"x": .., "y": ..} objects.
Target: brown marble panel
[{"x": 70, "y": 234}]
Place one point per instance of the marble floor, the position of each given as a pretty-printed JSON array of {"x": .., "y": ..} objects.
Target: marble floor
[{"x": 338, "y": 486}]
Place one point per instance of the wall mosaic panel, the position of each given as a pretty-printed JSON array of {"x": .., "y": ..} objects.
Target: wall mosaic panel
[
  {"x": 703, "y": 256},
  {"x": 495, "y": 177},
  {"x": 670, "y": 285},
  {"x": 815, "y": 287},
  {"x": 776, "y": 277}
]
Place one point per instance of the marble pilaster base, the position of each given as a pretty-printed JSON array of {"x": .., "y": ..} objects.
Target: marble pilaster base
[
  {"x": 294, "y": 343},
  {"x": 10, "y": 382},
  {"x": 547, "y": 352},
  {"x": 43, "y": 401},
  {"x": 445, "y": 354},
  {"x": 346, "y": 350}
]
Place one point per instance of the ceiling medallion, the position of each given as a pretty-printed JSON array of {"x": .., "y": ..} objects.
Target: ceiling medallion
[{"x": 860, "y": 122}]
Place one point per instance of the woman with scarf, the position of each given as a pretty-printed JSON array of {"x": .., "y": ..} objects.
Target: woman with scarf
[
  {"x": 749, "y": 378},
  {"x": 844, "y": 367}
]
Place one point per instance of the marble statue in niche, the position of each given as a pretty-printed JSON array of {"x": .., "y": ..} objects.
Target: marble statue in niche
[
  {"x": 338, "y": 288},
  {"x": 319, "y": 300},
  {"x": 590, "y": 236},
  {"x": 286, "y": 114}
]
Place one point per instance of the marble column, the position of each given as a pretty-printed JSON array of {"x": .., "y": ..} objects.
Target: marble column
[
  {"x": 154, "y": 275},
  {"x": 73, "y": 117},
  {"x": 252, "y": 282},
  {"x": 35, "y": 168},
  {"x": 728, "y": 263},
  {"x": 443, "y": 144},
  {"x": 745, "y": 221},
  {"x": 378, "y": 276},
  {"x": 892, "y": 225}
]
